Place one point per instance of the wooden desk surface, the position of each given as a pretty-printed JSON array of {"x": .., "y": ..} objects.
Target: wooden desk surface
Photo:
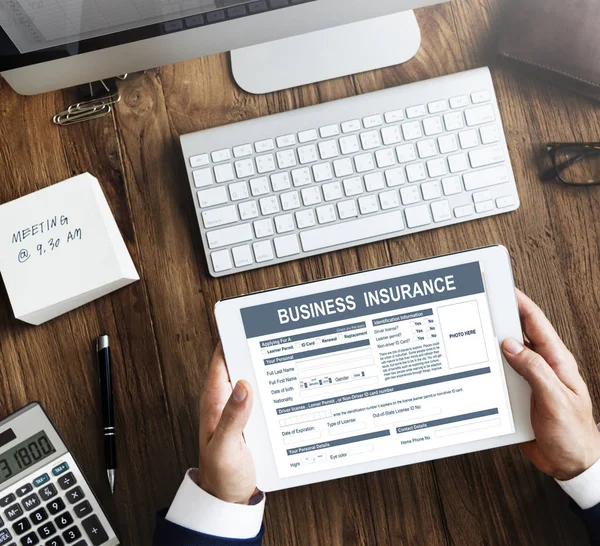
[{"x": 163, "y": 331}]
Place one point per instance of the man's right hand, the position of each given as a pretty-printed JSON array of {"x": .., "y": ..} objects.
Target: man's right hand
[{"x": 567, "y": 441}]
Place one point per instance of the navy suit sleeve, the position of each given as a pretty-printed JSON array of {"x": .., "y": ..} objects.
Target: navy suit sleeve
[
  {"x": 169, "y": 534},
  {"x": 591, "y": 519}
]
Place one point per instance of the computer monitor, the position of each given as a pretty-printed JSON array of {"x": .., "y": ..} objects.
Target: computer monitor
[{"x": 53, "y": 44}]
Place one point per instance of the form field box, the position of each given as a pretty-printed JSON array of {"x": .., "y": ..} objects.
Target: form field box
[
  {"x": 463, "y": 429},
  {"x": 463, "y": 334},
  {"x": 300, "y": 438},
  {"x": 406, "y": 418},
  {"x": 332, "y": 359},
  {"x": 335, "y": 368},
  {"x": 343, "y": 429},
  {"x": 340, "y": 388},
  {"x": 357, "y": 450}
]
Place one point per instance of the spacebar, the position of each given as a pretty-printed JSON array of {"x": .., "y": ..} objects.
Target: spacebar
[{"x": 350, "y": 232}]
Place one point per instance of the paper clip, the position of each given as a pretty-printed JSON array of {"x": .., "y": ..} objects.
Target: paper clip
[{"x": 94, "y": 108}]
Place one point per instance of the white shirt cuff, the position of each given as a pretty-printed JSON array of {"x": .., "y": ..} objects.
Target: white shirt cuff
[
  {"x": 197, "y": 510},
  {"x": 585, "y": 488}
]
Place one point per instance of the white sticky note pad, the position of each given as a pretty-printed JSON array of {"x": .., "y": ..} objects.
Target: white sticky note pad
[{"x": 60, "y": 248}]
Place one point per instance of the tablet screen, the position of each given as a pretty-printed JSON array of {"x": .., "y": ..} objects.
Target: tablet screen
[{"x": 379, "y": 370}]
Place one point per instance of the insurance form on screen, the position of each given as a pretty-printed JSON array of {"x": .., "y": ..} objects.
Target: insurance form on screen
[{"x": 379, "y": 370}]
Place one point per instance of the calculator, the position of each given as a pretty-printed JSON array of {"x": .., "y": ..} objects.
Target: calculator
[{"x": 44, "y": 497}]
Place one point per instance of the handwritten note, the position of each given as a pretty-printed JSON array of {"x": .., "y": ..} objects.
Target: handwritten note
[{"x": 60, "y": 248}]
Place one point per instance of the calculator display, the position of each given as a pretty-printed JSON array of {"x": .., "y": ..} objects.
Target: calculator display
[{"x": 26, "y": 454}]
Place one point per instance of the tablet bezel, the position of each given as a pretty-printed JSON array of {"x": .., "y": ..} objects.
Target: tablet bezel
[{"x": 505, "y": 316}]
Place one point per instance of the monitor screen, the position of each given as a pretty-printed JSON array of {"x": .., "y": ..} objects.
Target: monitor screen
[{"x": 33, "y": 31}]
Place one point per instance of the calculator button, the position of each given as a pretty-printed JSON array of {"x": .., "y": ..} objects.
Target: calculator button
[
  {"x": 38, "y": 516},
  {"x": 68, "y": 480},
  {"x": 31, "y": 502},
  {"x": 5, "y": 501},
  {"x": 58, "y": 470},
  {"x": 21, "y": 526},
  {"x": 46, "y": 530},
  {"x": 75, "y": 495},
  {"x": 81, "y": 543},
  {"x": 83, "y": 509},
  {"x": 56, "y": 541},
  {"x": 94, "y": 530},
  {"x": 5, "y": 536},
  {"x": 13, "y": 512},
  {"x": 63, "y": 520},
  {"x": 55, "y": 506},
  {"x": 24, "y": 489},
  {"x": 47, "y": 492},
  {"x": 72, "y": 534},
  {"x": 41, "y": 480},
  {"x": 30, "y": 539}
]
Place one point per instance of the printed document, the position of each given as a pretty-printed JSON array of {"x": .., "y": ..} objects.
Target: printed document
[{"x": 379, "y": 370}]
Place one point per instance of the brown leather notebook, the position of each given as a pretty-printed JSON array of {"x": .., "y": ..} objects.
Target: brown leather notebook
[{"x": 558, "y": 38}]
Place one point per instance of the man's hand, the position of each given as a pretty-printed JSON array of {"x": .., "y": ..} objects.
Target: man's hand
[
  {"x": 226, "y": 469},
  {"x": 567, "y": 441}
]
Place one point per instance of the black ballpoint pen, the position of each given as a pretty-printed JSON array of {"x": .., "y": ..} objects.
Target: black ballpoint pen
[{"x": 108, "y": 417}]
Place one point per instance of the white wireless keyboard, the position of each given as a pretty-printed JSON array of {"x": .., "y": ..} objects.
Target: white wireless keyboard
[{"x": 349, "y": 172}]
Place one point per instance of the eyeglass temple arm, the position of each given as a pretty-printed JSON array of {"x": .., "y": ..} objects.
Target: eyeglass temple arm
[{"x": 552, "y": 173}]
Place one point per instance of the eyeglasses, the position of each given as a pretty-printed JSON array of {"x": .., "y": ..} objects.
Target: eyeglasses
[{"x": 574, "y": 164}]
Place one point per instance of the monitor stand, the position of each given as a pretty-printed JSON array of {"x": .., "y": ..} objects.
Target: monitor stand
[{"x": 327, "y": 54}]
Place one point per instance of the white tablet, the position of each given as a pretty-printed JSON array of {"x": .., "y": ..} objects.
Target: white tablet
[{"x": 378, "y": 369}]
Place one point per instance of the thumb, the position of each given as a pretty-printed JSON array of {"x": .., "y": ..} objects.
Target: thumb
[
  {"x": 531, "y": 367},
  {"x": 235, "y": 415}
]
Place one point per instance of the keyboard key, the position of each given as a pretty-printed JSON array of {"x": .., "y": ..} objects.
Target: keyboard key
[
  {"x": 486, "y": 206},
  {"x": 203, "y": 178},
  {"x": 30, "y": 539},
  {"x": 462, "y": 212},
  {"x": 238, "y": 191},
  {"x": 41, "y": 480},
  {"x": 349, "y": 145},
  {"x": 486, "y": 157},
  {"x": 290, "y": 200},
  {"x": 311, "y": 196},
  {"x": 406, "y": 153},
  {"x": 352, "y": 231},
  {"x": 308, "y": 136},
  {"x": 489, "y": 134},
  {"x": 263, "y": 251},
  {"x": 305, "y": 218},
  {"x": 269, "y": 205},
  {"x": 242, "y": 257},
  {"x": 57, "y": 541},
  {"x": 394, "y": 116},
  {"x": 389, "y": 200},
  {"x": 504, "y": 202},
  {"x": 6, "y": 500},
  {"x": 394, "y": 177},
  {"x": 248, "y": 210},
  {"x": 372, "y": 121},
  {"x": 364, "y": 163},
  {"x": 453, "y": 121},
  {"x": 229, "y": 236},
  {"x": 417, "y": 216},
  {"x": 433, "y": 126},
  {"x": 46, "y": 530},
  {"x": 264, "y": 146},
  {"x": 209, "y": 198},
  {"x": 221, "y": 155},
  {"x": 284, "y": 223},
  {"x": 13, "y": 512},
  {"x": 441, "y": 211},
  {"x": 468, "y": 139},
  {"x": 329, "y": 131},
  {"x": 265, "y": 163},
  {"x": 286, "y": 159},
  {"x": 343, "y": 167},
  {"x": 72, "y": 534},
  {"x": 370, "y": 140},
  {"x": 23, "y": 490},
  {"x": 385, "y": 158},
  {"x": 328, "y": 149},
  {"x": 55, "y": 506},
  {"x": 31, "y": 502},
  {"x": 459, "y": 102},
  {"x": 322, "y": 172},
  {"x": 219, "y": 217},
  {"x": 221, "y": 260},
  {"x": 448, "y": 144},
  {"x": 75, "y": 495},
  {"x": 286, "y": 140},
  {"x": 431, "y": 190},
  {"x": 437, "y": 167},
  {"x": 259, "y": 186},
  {"x": 244, "y": 168},
  {"x": 195, "y": 162},
  {"x": 410, "y": 195},
  {"x": 346, "y": 209},
  {"x": 458, "y": 163},
  {"x": 353, "y": 186},
  {"x": 63, "y": 520},
  {"x": 427, "y": 148},
  {"x": 416, "y": 172},
  {"x": 38, "y": 516},
  {"x": 351, "y": 126},
  {"x": 94, "y": 530},
  {"x": 301, "y": 177},
  {"x": 480, "y": 115},
  {"x": 21, "y": 526},
  {"x": 286, "y": 246},
  {"x": 374, "y": 182},
  {"x": 332, "y": 191},
  {"x": 308, "y": 154},
  {"x": 368, "y": 204},
  {"x": 415, "y": 111},
  {"x": 391, "y": 135},
  {"x": 480, "y": 197},
  {"x": 437, "y": 106},
  {"x": 224, "y": 173},
  {"x": 480, "y": 96},
  {"x": 412, "y": 130},
  {"x": 263, "y": 228},
  {"x": 326, "y": 214},
  {"x": 5, "y": 536},
  {"x": 281, "y": 181},
  {"x": 242, "y": 151}
]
